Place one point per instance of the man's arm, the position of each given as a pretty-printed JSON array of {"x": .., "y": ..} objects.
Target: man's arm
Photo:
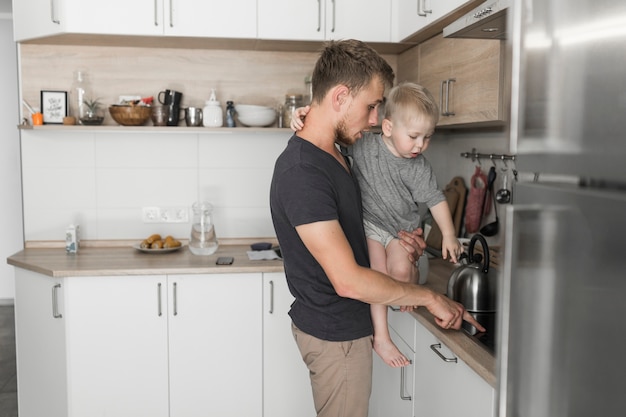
[{"x": 329, "y": 246}]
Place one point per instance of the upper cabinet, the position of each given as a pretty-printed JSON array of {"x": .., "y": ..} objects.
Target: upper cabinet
[
  {"x": 368, "y": 20},
  {"x": 468, "y": 78},
  {"x": 40, "y": 18},
  {"x": 411, "y": 16}
]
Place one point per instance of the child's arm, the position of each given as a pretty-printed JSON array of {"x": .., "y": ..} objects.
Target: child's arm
[
  {"x": 450, "y": 247},
  {"x": 297, "y": 121}
]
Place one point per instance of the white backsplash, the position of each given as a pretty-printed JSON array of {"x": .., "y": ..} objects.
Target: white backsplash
[{"x": 102, "y": 180}]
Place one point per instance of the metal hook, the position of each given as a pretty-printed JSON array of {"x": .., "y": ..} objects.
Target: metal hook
[
  {"x": 503, "y": 157},
  {"x": 492, "y": 161}
]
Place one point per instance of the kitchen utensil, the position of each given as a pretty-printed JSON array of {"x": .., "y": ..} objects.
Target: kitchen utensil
[
  {"x": 130, "y": 115},
  {"x": 160, "y": 115},
  {"x": 474, "y": 284},
  {"x": 193, "y": 116},
  {"x": 168, "y": 97},
  {"x": 213, "y": 115},
  {"x": 475, "y": 201},
  {"x": 492, "y": 228},
  {"x": 503, "y": 196},
  {"x": 174, "y": 115},
  {"x": 256, "y": 116},
  {"x": 203, "y": 240}
]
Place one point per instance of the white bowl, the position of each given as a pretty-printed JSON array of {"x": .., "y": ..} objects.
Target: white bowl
[{"x": 255, "y": 116}]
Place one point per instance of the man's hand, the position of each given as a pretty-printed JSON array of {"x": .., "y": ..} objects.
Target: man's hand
[{"x": 413, "y": 242}]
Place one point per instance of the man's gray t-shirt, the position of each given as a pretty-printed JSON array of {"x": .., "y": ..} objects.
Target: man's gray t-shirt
[{"x": 391, "y": 186}]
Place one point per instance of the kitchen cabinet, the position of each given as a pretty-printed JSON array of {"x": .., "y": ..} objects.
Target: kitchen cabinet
[
  {"x": 468, "y": 77},
  {"x": 139, "y": 345},
  {"x": 286, "y": 383},
  {"x": 411, "y": 16},
  {"x": 41, "y": 347},
  {"x": 447, "y": 387},
  {"x": 393, "y": 391},
  {"x": 429, "y": 386},
  {"x": 316, "y": 20},
  {"x": 215, "y": 351},
  {"x": 40, "y": 18}
]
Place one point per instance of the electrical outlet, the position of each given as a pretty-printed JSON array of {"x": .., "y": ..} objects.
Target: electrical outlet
[
  {"x": 151, "y": 215},
  {"x": 165, "y": 215},
  {"x": 174, "y": 215}
]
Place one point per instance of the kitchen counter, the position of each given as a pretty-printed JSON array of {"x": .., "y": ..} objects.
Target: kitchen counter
[
  {"x": 467, "y": 348},
  {"x": 125, "y": 260}
]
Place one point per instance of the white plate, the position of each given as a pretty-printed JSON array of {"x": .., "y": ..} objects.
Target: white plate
[{"x": 164, "y": 250}]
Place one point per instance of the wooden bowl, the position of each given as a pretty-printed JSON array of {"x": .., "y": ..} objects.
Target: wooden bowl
[{"x": 130, "y": 115}]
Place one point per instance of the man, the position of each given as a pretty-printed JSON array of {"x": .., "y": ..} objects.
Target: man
[{"x": 316, "y": 209}]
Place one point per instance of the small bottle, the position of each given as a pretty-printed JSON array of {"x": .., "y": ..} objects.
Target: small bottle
[
  {"x": 308, "y": 88},
  {"x": 72, "y": 239},
  {"x": 212, "y": 112},
  {"x": 230, "y": 114},
  {"x": 80, "y": 92}
]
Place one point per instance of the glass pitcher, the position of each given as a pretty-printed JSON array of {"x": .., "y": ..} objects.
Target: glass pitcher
[{"x": 203, "y": 240}]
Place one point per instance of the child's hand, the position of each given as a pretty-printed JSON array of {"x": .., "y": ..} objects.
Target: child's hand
[
  {"x": 297, "y": 120},
  {"x": 451, "y": 248}
]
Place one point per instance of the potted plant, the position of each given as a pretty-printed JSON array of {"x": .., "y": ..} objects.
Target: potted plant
[{"x": 93, "y": 115}]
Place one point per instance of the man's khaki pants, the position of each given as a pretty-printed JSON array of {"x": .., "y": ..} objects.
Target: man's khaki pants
[{"x": 341, "y": 374}]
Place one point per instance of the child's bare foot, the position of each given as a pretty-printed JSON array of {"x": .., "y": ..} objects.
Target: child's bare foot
[{"x": 389, "y": 353}]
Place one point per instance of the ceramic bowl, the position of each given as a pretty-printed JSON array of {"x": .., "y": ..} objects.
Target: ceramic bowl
[{"x": 255, "y": 116}]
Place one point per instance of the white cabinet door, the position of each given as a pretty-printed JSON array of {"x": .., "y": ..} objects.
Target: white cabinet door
[
  {"x": 286, "y": 383},
  {"x": 117, "y": 345},
  {"x": 210, "y": 18},
  {"x": 392, "y": 388},
  {"x": 112, "y": 17},
  {"x": 369, "y": 20},
  {"x": 40, "y": 345},
  {"x": 444, "y": 389},
  {"x": 36, "y": 18},
  {"x": 215, "y": 333},
  {"x": 410, "y": 16}
]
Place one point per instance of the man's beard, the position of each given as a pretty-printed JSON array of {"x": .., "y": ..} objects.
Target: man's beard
[{"x": 341, "y": 137}]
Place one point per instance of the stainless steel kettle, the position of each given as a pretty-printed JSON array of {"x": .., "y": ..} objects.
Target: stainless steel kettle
[{"x": 473, "y": 284}]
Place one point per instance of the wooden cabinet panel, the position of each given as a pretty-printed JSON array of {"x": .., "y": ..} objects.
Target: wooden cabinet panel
[{"x": 474, "y": 71}]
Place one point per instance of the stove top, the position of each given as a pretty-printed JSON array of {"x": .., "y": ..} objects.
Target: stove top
[{"x": 488, "y": 338}]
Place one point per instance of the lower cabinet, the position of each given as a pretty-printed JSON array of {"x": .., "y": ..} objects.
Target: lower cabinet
[
  {"x": 157, "y": 345},
  {"x": 433, "y": 385},
  {"x": 444, "y": 385},
  {"x": 286, "y": 383}
]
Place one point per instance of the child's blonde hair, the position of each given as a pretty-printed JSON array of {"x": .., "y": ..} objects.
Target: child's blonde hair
[{"x": 407, "y": 100}]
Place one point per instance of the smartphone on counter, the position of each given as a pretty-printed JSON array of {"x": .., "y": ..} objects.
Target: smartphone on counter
[{"x": 225, "y": 260}]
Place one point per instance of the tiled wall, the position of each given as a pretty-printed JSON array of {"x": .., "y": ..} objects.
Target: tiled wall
[{"x": 101, "y": 180}]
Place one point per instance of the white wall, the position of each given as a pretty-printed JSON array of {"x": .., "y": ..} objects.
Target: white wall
[
  {"x": 102, "y": 179},
  {"x": 11, "y": 237}
]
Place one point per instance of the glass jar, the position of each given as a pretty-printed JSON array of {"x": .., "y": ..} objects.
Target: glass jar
[
  {"x": 292, "y": 102},
  {"x": 80, "y": 92},
  {"x": 202, "y": 240}
]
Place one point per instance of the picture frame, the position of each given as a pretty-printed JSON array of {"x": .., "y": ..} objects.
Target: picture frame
[{"x": 53, "y": 106}]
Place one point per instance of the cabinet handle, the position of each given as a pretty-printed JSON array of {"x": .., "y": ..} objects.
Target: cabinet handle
[
  {"x": 402, "y": 388},
  {"x": 175, "y": 299},
  {"x": 445, "y": 108},
  {"x": 271, "y": 311},
  {"x": 55, "y": 302},
  {"x": 319, "y": 15},
  {"x": 421, "y": 8},
  {"x": 156, "y": 13},
  {"x": 171, "y": 13},
  {"x": 435, "y": 348},
  {"x": 333, "y": 28},
  {"x": 53, "y": 13},
  {"x": 159, "y": 302}
]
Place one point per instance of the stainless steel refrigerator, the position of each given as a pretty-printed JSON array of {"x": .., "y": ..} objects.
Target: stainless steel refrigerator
[{"x": 562, "y": 330}]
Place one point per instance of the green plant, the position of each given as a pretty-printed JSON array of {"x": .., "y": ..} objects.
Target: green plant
[{"x": 93, "y": 107}]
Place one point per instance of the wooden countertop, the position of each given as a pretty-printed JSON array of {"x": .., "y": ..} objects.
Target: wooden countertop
[{"x": 125, "y": 260}]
